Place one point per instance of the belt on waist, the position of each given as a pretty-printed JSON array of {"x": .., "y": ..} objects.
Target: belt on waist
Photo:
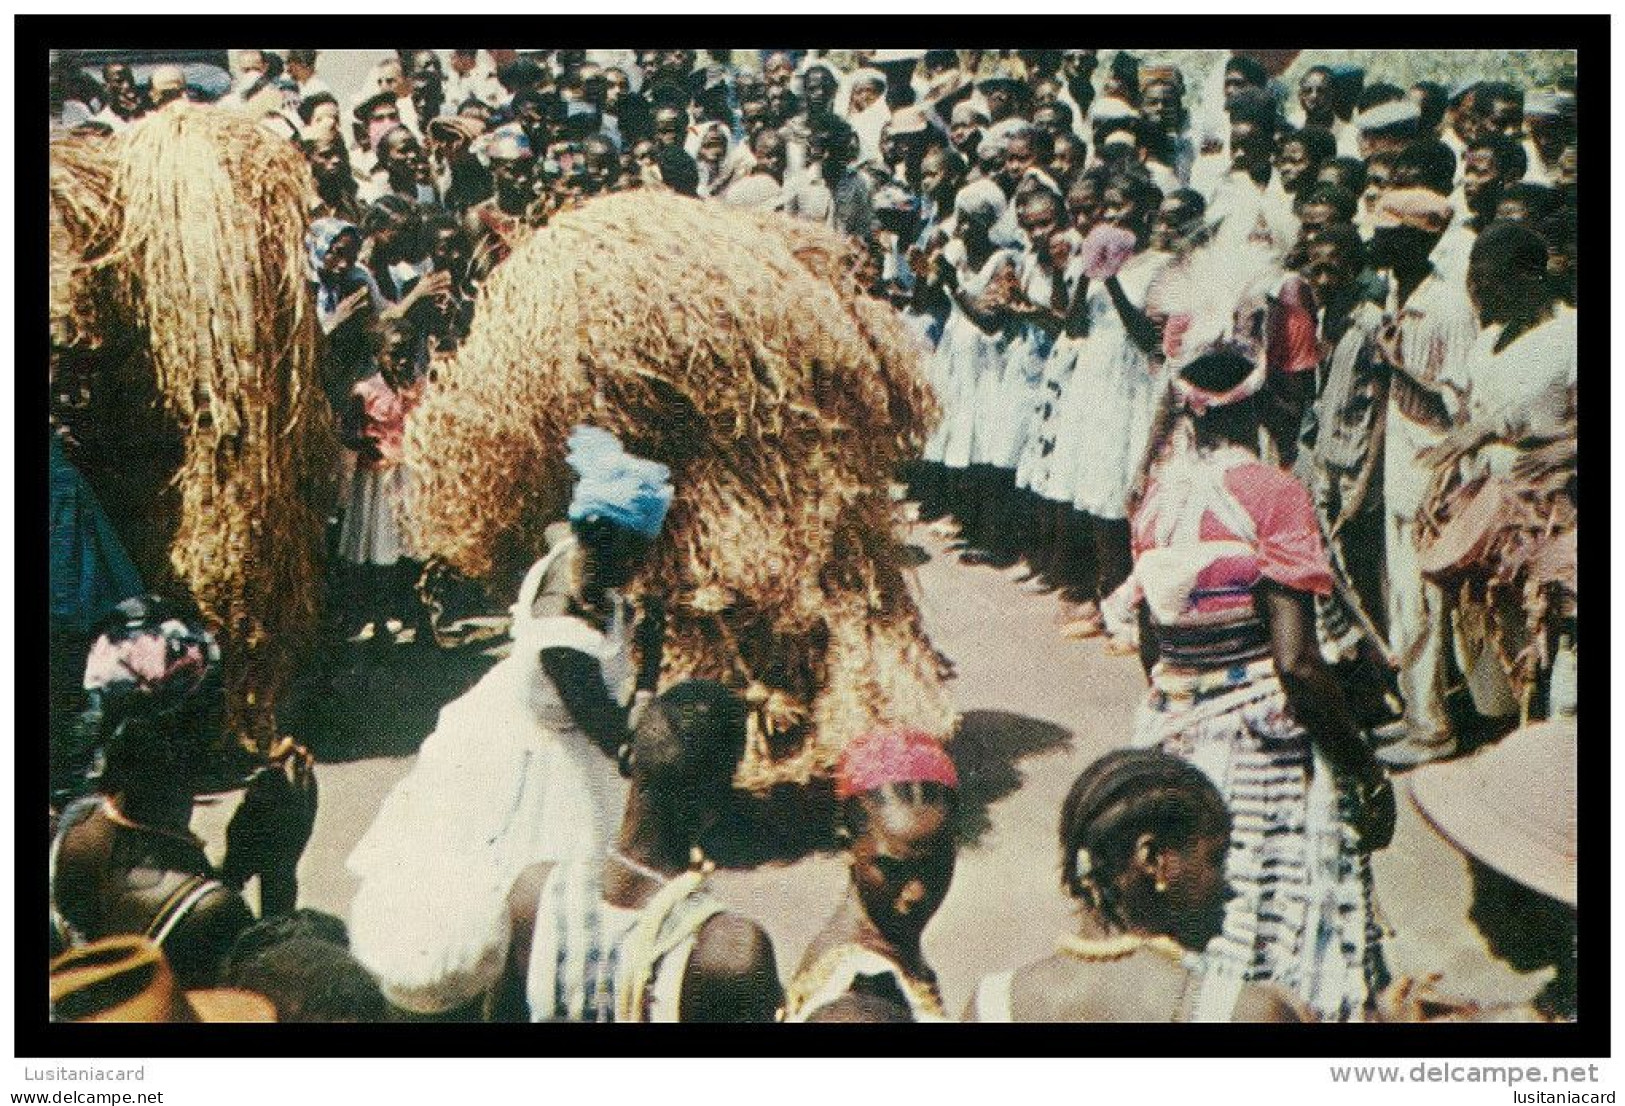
[{"x": 1182, "y": 683}]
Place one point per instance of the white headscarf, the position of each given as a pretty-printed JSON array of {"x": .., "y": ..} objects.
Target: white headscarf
[{"x": 980, "y": 201}]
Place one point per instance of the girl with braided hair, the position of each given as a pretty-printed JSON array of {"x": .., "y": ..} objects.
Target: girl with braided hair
[
  {"x": 1143, "y": 841},
  {"x": 898, "y": 792}
]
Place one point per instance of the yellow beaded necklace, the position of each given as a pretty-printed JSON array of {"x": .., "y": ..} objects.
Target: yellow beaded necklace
[{"x": 1120, "y": 947}]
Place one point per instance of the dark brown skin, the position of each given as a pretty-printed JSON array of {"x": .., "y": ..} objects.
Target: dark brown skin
[
  {"x": 1314, "y": 696},
  {"x": 1405, "y": 255},
  {"x": 732, "y": 973},
  {"x": 578, "y": 676},
  {"x": 986, "y": 310},
  {"x": 1147, "y": 985},
  {"x": 1087, "y": 207},
  {"x": 1318, "y": 704},
  {"x": 580, "y": 681},
  {"x": 902, "y": 864},
  {"x": 113, "y": 879},
  {"x": 1144, "y": 987},
  {"x": 1142, "y": 329}
]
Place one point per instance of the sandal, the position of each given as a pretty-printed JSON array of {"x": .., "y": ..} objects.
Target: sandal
[{"x": 1082, "y": 629}]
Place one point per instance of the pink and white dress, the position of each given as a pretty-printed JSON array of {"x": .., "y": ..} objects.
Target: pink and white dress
[
  {"x": 372, "y": 533},
  {"x": 1212, "y": 527}
]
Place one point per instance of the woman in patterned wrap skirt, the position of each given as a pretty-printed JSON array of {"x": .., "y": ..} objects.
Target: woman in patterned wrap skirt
[{"x": 1228, "y": 559}]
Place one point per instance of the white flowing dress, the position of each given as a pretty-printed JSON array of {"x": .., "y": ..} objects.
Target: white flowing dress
[
  {"x": 506, "y": 780},
  {"x": 1039, "y": 470},
  {"x": 965, "y": 367},
  {"x": 1110, "y": 399},
  {"x": 1013, "y": 404}
]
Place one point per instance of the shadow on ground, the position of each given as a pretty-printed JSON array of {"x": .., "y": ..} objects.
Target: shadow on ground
[
  {"x": 987, "y": 749},
  {"x": 354, "y": 701},
  {"x": 794, "y": 822}
]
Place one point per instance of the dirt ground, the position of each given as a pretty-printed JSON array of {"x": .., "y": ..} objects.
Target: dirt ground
[{"x": 1037, "y": 709}]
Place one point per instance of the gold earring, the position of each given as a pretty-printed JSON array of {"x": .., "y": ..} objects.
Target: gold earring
[{"x": 1162, "y": 885}]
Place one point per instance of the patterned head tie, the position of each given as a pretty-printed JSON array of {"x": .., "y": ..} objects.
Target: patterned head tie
[{"x": 150, "y": 660}]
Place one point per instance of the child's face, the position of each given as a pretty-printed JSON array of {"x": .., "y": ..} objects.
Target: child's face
[
  {"x": 395, "y": 358},
  {"x": 341, "y": 255},
  {"x": 1085, "y": 203},
  {"x": 1292, "y": 162}
]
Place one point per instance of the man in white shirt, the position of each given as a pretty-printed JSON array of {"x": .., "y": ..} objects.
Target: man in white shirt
[
  {"x": 403, "y": 170},
  {"x": 473, "y": 77},
  {"x": 1319, "y": 103},
  {"x": 374, "y": 117},
  {"x": 1162, "y": 103},
  {"x": 831, "y": 191},
  {"x": 1249, "y": 203},
  {"x": 301, "y": 68},
  {"x": 1426, "y": 340}
]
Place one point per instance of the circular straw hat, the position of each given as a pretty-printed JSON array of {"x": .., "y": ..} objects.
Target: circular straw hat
[
  {"x": 127, "y": 979},
  {"x": 1511, "y": 805}
]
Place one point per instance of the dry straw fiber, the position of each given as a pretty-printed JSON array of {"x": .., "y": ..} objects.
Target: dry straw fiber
[
  {"x": 733, "y": 347},
  {"x": 197, "y": 218}
]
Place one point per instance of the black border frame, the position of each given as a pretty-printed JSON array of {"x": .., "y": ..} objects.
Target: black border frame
[{"x": 36, "y": 1037}]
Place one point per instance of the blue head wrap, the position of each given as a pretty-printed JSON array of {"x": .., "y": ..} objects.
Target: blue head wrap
[
  {"x": 509, "y": 143},
  {"x": 321, "y": 236},
  {"x": 318, "y": 242},
  {"x": 628, "y": 491}
]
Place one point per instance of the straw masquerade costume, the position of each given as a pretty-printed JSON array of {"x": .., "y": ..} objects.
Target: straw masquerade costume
[
  {"x": 732, "y": 346},
  {"x": 509, "y": 777},
  {"x": 179, "y": 302},
  {"x": 1212, "y": 526}
]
